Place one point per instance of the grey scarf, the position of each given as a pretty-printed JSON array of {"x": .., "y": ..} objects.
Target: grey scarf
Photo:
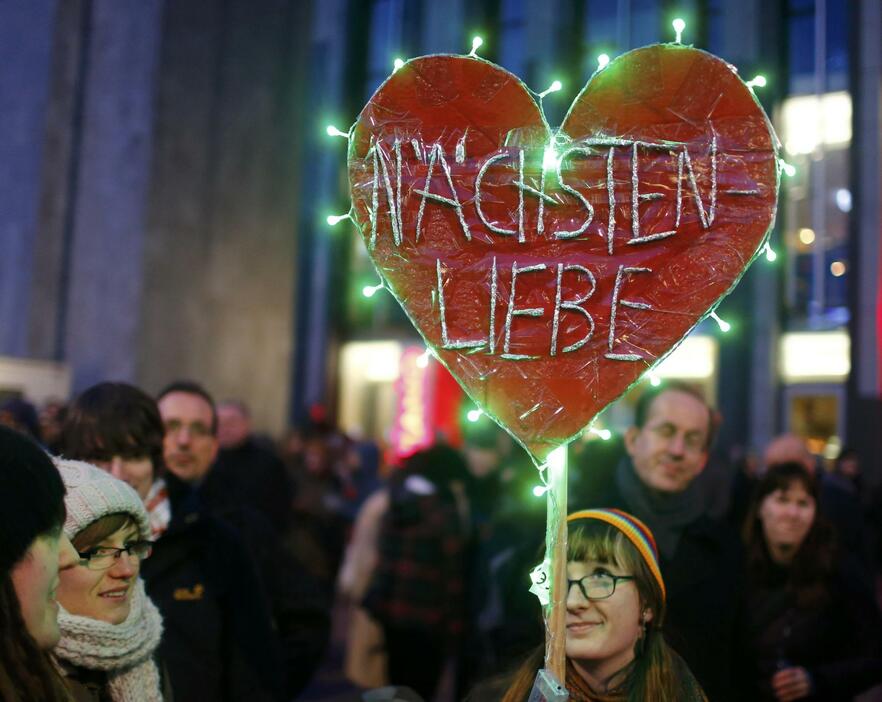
[
  {"x": 666, "y": 514},
  {"x": 124, "y": 650}
]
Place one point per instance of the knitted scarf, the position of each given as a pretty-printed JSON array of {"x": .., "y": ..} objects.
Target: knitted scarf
[
  {"x": 158, "y": 508},
  {"x": 124, "y": 650},
  {"x": 688, "y": 689},
  {"x": 580, "y": 690}
]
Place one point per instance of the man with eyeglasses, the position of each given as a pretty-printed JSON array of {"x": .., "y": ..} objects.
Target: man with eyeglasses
[
  {"x": 299, "y": 610},
  {"x": 666, "y": 449},
  {"x": 190, "y": 445}
]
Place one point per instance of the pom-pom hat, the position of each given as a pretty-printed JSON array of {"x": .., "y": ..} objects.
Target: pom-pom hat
[
  {"x": 634, "y": 530},
  {"x": 93, "y": 493}
]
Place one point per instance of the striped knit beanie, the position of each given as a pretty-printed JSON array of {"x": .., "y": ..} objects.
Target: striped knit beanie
[
  {"x": 93, "y": 493},
  {"x": 634, "y": 530}
]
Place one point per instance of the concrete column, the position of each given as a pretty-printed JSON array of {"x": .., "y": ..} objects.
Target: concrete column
[
  {"x": 106, "y": 256},
  {"x": 222, "y": 246},
  {"x": 26, "y": 36},
  {"x": 864, "y": 415},
  {"x": 748, "y": 374},
  {"x": 323, "y": 162},
  {"x": 62, "y": 147}
]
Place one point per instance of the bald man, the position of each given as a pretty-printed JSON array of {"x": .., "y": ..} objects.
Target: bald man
[{"x": 789, "y": 448}]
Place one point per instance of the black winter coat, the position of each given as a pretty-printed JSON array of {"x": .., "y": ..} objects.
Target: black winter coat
[
  {"x": 837, "y": 640},
  {"x": 299, "y": 610},
  {"x": 217, "y": 643},
  {"x": 250, "y": 476},
  {"x": 704, "y": 581},
  {"x": 92, "y": 685}
]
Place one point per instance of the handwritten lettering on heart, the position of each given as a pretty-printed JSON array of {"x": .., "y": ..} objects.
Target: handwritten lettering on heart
[{"x": 550, "y": 269}]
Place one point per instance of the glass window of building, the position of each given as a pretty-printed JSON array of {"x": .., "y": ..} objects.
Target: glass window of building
[{"x": 814, "y": 123}]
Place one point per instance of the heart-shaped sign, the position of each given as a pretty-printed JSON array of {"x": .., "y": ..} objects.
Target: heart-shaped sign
[{"x": 549, "y": 270}]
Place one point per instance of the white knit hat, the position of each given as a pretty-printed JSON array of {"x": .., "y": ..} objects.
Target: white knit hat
[{"x": 93, "y": 493}]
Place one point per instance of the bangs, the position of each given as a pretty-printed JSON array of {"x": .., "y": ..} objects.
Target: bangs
[
  {"x": 114, "y": 419},
  {"x": 592, "y": 540},
  {"x": 100, "y": 529},
  {"x": 784, "y": 476},
  {"x": 95, "y": 440}
]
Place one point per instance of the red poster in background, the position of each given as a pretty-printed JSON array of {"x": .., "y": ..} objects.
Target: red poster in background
[{"x": 427, "y": 405}]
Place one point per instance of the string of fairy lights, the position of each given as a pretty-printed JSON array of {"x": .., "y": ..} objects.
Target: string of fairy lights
[{"x": 603, "y": 60}]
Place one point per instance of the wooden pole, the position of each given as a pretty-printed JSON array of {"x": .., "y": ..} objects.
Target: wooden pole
[{"x": 556, "y": 548}]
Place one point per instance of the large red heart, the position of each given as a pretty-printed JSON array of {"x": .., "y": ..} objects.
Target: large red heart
[{"x": 462, "y": 192}]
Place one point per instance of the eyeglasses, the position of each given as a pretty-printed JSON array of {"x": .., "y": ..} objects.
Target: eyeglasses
[
  {"x": 103, "y": 557},
  {"x": 597, "y": 586},
  {"x": 693, "y": 441},
  {"x": 195, "y": 429}
]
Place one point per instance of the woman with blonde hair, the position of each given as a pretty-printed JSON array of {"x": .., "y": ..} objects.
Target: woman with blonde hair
[{"x": 615, "y": 604}]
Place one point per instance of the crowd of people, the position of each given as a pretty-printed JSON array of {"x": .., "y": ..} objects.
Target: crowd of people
[{"x": 157, "y": 548}]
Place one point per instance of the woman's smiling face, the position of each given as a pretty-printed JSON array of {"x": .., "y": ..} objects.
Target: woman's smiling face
[
  {"x": 787, "y": 515},
  {"x": 602, "y": 634},
  {"x": 105, "y": 595}
]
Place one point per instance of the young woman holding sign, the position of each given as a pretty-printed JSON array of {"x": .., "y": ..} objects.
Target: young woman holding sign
[{"x": 615, "y": 610}]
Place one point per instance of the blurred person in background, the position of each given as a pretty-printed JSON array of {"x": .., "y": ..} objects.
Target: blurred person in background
[
  {"x": 34, "y": 552},
  {"x": 746, "y": 471},
  {"x": 847, "y": 472},
  {"x": 319, "y": 463},
  {"x": 503, "y": 624},
  {"x": 246, "y": 472},
  {"x": 365, "y": 663},
  {"x": 485, "y": 447},
  {"x": 110, "y": 630},
  {"x": 837, "y": 503},
  {"x": 218, "y": 644},
  {"x": 52, "y": 422},
  {"x": 813, "y": 628},
  {"x": 19, "y": 414},
  {"x": 300, "y": 609},
  {"x": 417, "y": 592}
]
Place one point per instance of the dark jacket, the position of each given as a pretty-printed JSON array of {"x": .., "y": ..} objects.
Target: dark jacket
[
  {"x": 837, "y": 639},
  {"x": 704, "y": 582},
  {"x": 300, "y": 611},
  {"x": 250, "y": 475},
  {"x": 419, "y": 581},
  {"x": 218, "y": 643},
  {"x": 91, "y": 685},
  {"x": 86, "y": 685}
]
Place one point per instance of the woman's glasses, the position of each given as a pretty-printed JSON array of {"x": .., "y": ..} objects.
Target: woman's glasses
[
  {"x": 597, "y": 586},
  {"x": 103, "y": 557}
]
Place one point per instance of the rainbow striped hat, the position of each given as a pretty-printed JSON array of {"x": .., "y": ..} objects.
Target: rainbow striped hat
[{"x": 636, "y": 531}]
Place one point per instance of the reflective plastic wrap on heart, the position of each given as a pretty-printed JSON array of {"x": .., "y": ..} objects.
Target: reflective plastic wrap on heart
[{"x": 549, "y": 269}]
